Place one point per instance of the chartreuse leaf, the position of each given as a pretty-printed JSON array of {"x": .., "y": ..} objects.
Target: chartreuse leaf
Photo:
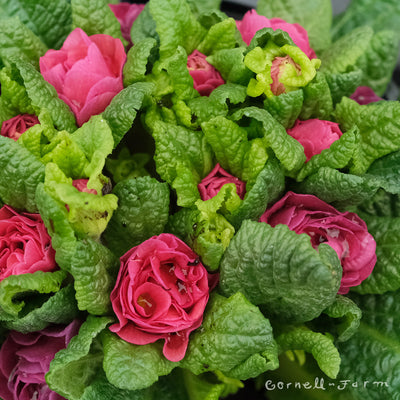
[
  {"x": 183, "y": 157},
  {"x": 235, "y": 339},
  {"x": 41, "y": 94},
  {"x": 142, "y": 212},
  {"x": 17, "y": 40},
  {"x": 205, "y": 5},
  {"x": 123, "y": 108},
  {"x": 90, "y": 263},
  {"x": 315, "y": 17},
  {"x": 94, "y": 17},
  {"x": 379, "y": 130},
  {"x": 337, "y": 156},
  {"x": 280, "y": 271},
  {"x": 21, "y": 172},
  {"x": 336, "y": 187},
  {"x": 386, "y": 273},
  {"x": 74, "y": 368},
  {"x": 48, "y": 19},
  {"x": 319, "y": 345},
  {"x": 132, "y": 367},
  {"x": 186, "y": 31}
]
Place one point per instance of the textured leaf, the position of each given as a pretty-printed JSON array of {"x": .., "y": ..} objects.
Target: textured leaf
[
  {"x": 279, "y": 269},
  {"x": 343, "y": 84},
  {"x": 144, "y": 27},
  {"x": 382, "y": 204},
  {"x": 143, "y": 212}
]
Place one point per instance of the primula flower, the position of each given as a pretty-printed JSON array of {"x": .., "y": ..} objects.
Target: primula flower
[
  {"x": 315, "y": 135},
  {"x": 25, "y": 245},
  {"x": 81, "y": 185},
  {"x": 25, "y": 359},
  {"x": 161, "y": 293},
  {"x": 213, "y": 182},
  {"x": 205, "y": 77},
  {"x": 14, "y": 127},
  {"x": 365, "y": 95},
  {"x": 253, "y": 22},
  {"x": 126, "y": 14},
  {"x": 345, "y": 232},
  {"x": 86, "y": 72}
]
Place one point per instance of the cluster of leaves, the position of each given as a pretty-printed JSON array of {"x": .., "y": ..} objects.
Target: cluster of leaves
[{"x": 277, "y": 295}]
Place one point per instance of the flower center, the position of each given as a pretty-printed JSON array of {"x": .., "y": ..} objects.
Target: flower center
[{"x": 146, "y": 302}]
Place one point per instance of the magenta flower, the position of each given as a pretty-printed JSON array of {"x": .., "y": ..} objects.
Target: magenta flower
[
  {"x": 14, "y": 127},
  {"x": 161, "y": 292},
  {"x": 315, "y": 135},
  {"x": 86, "y": 72},
  {"x": 365, "y": 95},
  {"x": 345, "y": 232},
  {"x": 25, "y": 245},
  {"x": 81, "y": 185},
  {"x": 213, "y": 182},
  {"x": 205, "y": 77},
  {"x": 253, "y": 22},
  {"x": 25, "y": 359},
  {"x": 126, "y": 14}
]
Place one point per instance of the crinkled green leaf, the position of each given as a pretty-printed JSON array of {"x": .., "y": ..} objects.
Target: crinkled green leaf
[
  {"x": 337, "y": 156},
  {"x": 319, "y": 345},
  {"x": 287, "y": 150},
  {"x": 315, "y": 17},
  {"x": 142, "y": 212},
  {"x": 48, "y": 19},
  {"x": 387, "y": 170},
  {"x": 42, "y": 95},
  {"x": 144, "y": 27},
  {"x": 286, "y": 107},
  {"x": 382, "y": 204},
  {"x": 74, "y": 368},
  {"x": 186, "y": 31},
  {"x": 123, "y": 108},
  {"x": 183, "y": 157},
  {"x": 386, "y": 273},
  {"x": 204, "y": 6},
  {"x": 279, "y": 269},
  {"x": 94, "y": 17},
  {"x": 379, "y": 130},
  {"x": 138, "y": 61},
  {"x": 235, "y": 339},
  {"x": 17, "y": 40},
  {"x": 132, "y": 367},
  {"x": 343, "y": 84},
  {"x": 346, "y": 51},
  {"x": 21, "y": 173},
  {"x": 341, "y": 189}
]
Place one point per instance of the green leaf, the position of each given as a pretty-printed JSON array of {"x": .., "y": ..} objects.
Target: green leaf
[
  {"x": 186, "y": 31},
  {"x": 21, "y": 173},
  {"x": 16, "y": 40},
  {"x": 48, "y": 19},
  {"x": 235, "y": 339},
  {"x": 204, "y": 6},
  {"x": 341, "y": 189},
  {"x": 144, "y": 27},
  {"x": 121, "y": 112},
  {"x": 133, "y": 367},
  {"x": 80, "y": 362},
  {"x": 386, "y": 273},
  {"x": 343, "y": 84},
  {"x": 183, "y": 157},
  {"x": 94, "y": 17},
  {"x": 142, "y": 212},
  {"x": 279, "y": 269},
  {"x": 382, "y": 204},
  {"x": 315, "y": 17},
  {"x": 379, "y": 130},
  {"x": 319, "y": 345}
]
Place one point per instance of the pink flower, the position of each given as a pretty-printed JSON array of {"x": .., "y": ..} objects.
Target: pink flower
[
  {"x": 126, "y": 15},
  {"x": 253, "y": 22},
  {"x": 345, "y": 232},
  {"x": 86, "y": 72},
  {"x": 365, "y": 95},
  {"x": 161, "y": 292},
  {"x": 25, "y": 359},
  {"x": 315, "y": 135},
  {"x": 25, "y": 245},
  {"x": 277, "y": 68},
  {"x": 14, "y": 127},
  {"x": 213, "y": 182},
  {"x": 81, "y": 185},
  {"x": 205, "y": 77}
]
